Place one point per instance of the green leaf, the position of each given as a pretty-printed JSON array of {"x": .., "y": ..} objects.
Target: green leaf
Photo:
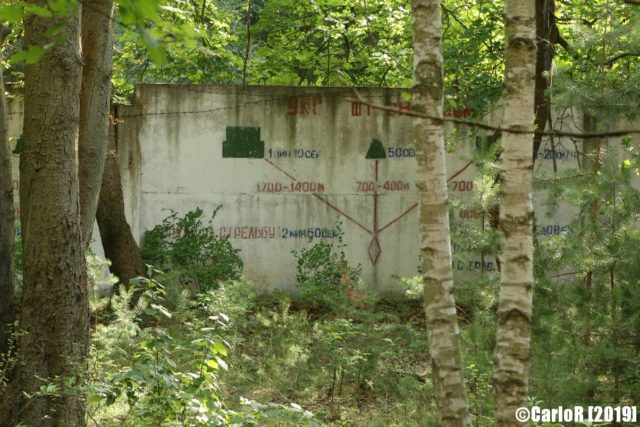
[
  {"x": 220, "y": 348},
  {"x": 162, "y": 310},
  {"x": 174, "y": 10},
  {"x": 56, "y": 29},
  {"x": 38, "y": 11},
  {"x": 29, "y": 56},
  {"x": 11, "y": 13},
  {"x": 222, "y": 363}
]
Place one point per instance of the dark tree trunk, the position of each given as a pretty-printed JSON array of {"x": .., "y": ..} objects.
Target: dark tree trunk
[
  {"x": 54, "y": 307},
  {"x": 117, "y": 240},
  {"x": 97, "y": 50},
  {"x": 546, "y": 37},
  {"x": 7, "y": 219}
]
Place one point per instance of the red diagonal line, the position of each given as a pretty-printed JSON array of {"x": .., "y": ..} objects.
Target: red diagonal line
[
  {"x": 281, "y": 170},
  {"x": 415, "y": 205},
  {"x": 460, "y": 171},
  {"x": 335, "y": 208},
  {"x": 325, "y": 201}
]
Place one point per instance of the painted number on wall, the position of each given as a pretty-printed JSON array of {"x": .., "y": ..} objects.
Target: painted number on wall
[
  {"x": 311, "y": 232},
  {"x": 294, "y": 187},
  {"x": 551, "y": 229},
  {"x": 370, "y": 186},
  {"x": 298, "y": 153},
  {"x": 400, "y": 152},
  {"x": 462, "y": 185}
]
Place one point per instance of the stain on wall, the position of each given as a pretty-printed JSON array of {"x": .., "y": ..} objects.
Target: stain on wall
[{"x": 293, "y": 165}]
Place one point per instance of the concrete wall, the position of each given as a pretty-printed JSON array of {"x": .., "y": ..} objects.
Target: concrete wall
[
  {"x": 306, "y": 176},
  {"x": 313, "y": 179}
]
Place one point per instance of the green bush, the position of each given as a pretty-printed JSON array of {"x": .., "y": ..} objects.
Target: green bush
[
  {"x": 162, "y": 367},
  {"x": 325, "y": 279},
  {"x": 192, "y": 251}
]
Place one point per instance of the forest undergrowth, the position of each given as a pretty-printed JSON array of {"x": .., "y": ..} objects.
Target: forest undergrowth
[{"x": 204, "y": 347}]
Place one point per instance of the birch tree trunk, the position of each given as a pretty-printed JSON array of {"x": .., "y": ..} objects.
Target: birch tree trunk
[
  {"x": 97, "y": 50},
  {"x": 54, "y": 307},
  {"x": 442, "y": 323},
  {"x": 513, "y": 340},
  {"x": 7, "y": 219}
]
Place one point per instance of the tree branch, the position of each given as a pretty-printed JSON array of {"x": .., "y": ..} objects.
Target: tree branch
[
  {"x": 479, "y": 125},
  {"x": 609, "y": 62}
]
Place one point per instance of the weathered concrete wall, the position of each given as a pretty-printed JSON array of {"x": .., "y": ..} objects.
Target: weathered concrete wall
[
  {"x": 312, "y": 178},
  {"x": 290, "y": 164}
]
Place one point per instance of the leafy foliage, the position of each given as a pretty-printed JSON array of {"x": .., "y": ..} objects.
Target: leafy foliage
[
  {"x": 186, "y": 247},
  {"x": 331, "y": 42},
  {"x": 191, "y": 42},
  {"x": 599, "y": 68},
  {"x": 473, "y": 46},
  {"x": 588, "y": 327},
  {"x": 166, "y": 368},
  {"x": 325, "y": 279}
]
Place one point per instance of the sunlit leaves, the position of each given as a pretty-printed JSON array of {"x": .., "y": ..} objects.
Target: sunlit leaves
[
  {"x": 331, "y": 42},
  {"x": 473, "y": 53},
  {"x": 600, "y": 72},
  {"x": 187, "y": 42},
  {"x": 10, "y": 13},
  {"x": 31, "y": 54}
]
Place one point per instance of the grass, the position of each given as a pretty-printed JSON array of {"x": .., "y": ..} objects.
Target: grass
[{"x": 364, "y": 365}]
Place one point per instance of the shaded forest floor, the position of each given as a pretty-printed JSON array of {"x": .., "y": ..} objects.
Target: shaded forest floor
[
  {"x": 351, "y": 363},
  {"x": 274, "y": 360}
]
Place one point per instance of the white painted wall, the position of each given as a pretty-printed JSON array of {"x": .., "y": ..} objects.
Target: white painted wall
[
  {"x": 170, "y": 153},
  {"x": 181, "y": 130}
]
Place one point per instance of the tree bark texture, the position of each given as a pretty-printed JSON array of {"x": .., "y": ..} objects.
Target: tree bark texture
[
  {"x": 442, "y": 323},
  {"x": 546, "y": 35},
  {"x": 97, "y": 51},
  {"x": 7, "y": 219},
  {"x": 117, "y": 240},
  {"x": 54, "y": 308},
  {"x": 513, "y": 340}
]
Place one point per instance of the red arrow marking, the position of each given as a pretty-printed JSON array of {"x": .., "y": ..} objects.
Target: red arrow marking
[
  {"x": 376, "y": 230},
  {"x": 322, "y": 199},
  {"x": 460, "y": 171},
  {"x": 375, "y": 201},
  {"x": 281, "y": 170},
  {"x": 326, "y": 202},
  {"x": 415, "y": 205}
]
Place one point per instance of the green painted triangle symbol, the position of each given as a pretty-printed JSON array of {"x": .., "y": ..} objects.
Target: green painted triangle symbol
[{"x": 376, "y": 150}]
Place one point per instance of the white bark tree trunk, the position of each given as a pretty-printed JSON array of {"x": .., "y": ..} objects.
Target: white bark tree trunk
[
  {"x": 513, "y": 340},
  {"x": 442, "y": 323}
]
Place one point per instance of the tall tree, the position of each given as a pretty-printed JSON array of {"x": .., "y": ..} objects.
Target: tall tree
[
  {"x": 7, "y": 219},
  {"x": 546, "y": 36},
  {"x": 115, "y": 232},
  {"x": 442, "y": 323},
  {"x": 54, "y": 307},
  {"x": 97, "y": 50},
  {"x": 513, "y": 340}
]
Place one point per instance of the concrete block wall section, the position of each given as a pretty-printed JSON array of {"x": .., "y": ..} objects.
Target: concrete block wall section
[{"x": 293, "y": 165}]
